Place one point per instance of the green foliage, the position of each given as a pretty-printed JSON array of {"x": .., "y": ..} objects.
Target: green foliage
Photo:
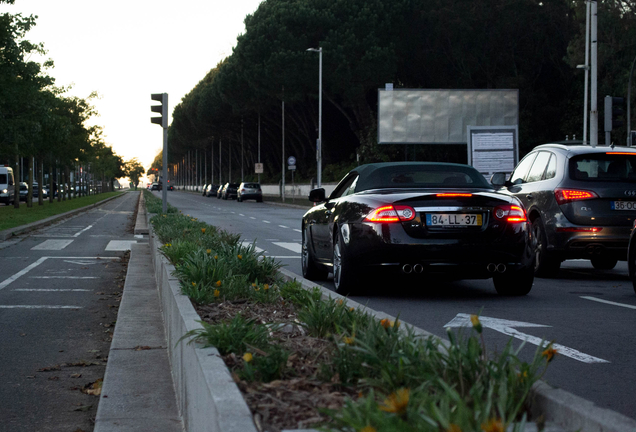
[
  {"x": 265, "y": 366},
  {"x": 231, "y": 337}
]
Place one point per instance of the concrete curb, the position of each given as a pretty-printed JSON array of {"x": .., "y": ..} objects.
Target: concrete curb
[
  {"x": 208, "y": 398},
  {"x": 210, "y": 401},
  {"x": 8, "y": 233}
]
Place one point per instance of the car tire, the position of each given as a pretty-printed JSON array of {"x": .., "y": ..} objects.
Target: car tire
[
  {"x": 259, "y": 200},
  {"x": 310, "y": 270},
  {"x": 545, "y": 266},
  {"x": 604, "y": 262},
  {"x": 343, "y": 270},
  {"x": 514, "y": 283}
]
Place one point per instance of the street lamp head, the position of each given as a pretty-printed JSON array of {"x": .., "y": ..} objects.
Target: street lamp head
[{"x": 315, "y": 49}]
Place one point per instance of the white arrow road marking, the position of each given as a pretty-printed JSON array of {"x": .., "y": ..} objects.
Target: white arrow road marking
[
  {"x": 248, "y": 244},
  {"x": 294, "y": 247},
  {"x": 507, "y": 327},
  {"x": 608, "y": 302}
]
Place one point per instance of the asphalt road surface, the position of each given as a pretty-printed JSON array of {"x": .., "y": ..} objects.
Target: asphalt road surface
[
  {"x": 60, "y": 288},
  {"x": 591, "y": 314}
]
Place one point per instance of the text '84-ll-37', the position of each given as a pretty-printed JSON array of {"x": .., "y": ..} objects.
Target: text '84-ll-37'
[{"x": 417, "y": 219}]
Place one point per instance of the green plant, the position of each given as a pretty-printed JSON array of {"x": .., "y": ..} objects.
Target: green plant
[
  {"x": 232, "y": 336},
  {"x": 264, "y": 366}
]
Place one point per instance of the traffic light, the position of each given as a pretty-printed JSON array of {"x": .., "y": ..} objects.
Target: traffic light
[
  {"x": 161, "y": 109},
  {"x": 614, "y": 113}
]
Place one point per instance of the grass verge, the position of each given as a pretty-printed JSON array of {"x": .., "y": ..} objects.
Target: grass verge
[{"x": 11, "y": 217}]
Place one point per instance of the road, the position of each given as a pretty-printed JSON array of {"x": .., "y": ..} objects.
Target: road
[
  {"x": 589, "y": 313},
  {"x": 60, "y": 288}
]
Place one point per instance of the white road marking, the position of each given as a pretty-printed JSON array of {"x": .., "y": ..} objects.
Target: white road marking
[
  {"x": 27, "y": 269},
  {"x": 294, "y": 247},
  {"x": 506, "y": 327},
  {"x": 63, "y": 277},
  {"x": 139, "y": 236},
  {"x": 84, "y": 230},
  {"x": 248, "y": 244},
  {"x": 52, "y": 290},
  {"x": 297, "y": 230},
  {"x": 52, "y": 245},
  {"x": 609, "y": 302},
  {"x": 38, "y": 307},
  {"x": 252, "y": 218},
  {"x": 283, "y": 226},
  {"x": 284, "y": 257},
  {"x": 266, "y": 221},
  {"x": 241, "y": 214},
  {"x": 120, "y": 245}
]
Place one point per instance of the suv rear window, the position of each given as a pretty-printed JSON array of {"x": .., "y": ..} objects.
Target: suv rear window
[
  {"x": 603, "y": 167},
  {"x": 252, "y": 185}
]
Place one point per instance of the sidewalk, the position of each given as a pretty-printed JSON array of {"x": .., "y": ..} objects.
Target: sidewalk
[{"x": 138, "y": 391}]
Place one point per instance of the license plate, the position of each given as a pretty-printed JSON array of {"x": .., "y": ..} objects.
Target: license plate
[
  {"x": 453, "y": 219},
  {"x": 623, "y": 205}
]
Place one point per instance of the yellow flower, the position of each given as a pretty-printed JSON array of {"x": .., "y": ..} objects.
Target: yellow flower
[
  {"x": 164, "y": 215},
  {"x": 351, "y": 309},
  {"x": 396, "y": 402},
  {"x": 266, "y": 287},
  {"x": 247, "y": 357},
  {"x": 202, "y": 230},
  {"x": 218, "y": 283},
  {"x": 474, "y": 319},
  {"x": 453, "y": 428},
  {"x": 216, "y": 257},
  {"x": 368, "y": 429},
  {"x": 386, "y": 323},
  {"x": 256, "y": 288},
  {"x": 523, "y": 375},
  {"x": 208, "y": 251},
  {"x": 240, "y": 256},
  {"x": 340, "y": 302},
  {"x": 549, "y": 353},
  {"x": 217, "y": 293},
  {"x": 349, "y": 340},
  {"x": 194, "y": 284},
  {"x": 168, "y": 244},
  {"x": 253, "y": 285},
  {"x": 493, "y": 425}
]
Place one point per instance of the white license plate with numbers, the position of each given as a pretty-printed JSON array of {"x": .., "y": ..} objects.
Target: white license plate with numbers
[
  {"x": 623, "y": 205},
  {"x": 453, "y": 219}
]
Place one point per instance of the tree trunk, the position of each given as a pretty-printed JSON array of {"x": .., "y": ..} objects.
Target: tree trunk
[
  {"x": 30, "y": 183},
  {"x": 41, "y": 181},
  {"x": 16, "y": 180}
]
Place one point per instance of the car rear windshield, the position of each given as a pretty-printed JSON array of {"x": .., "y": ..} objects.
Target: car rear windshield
[
  {"x": 605, "y": 167},
  {"x": 252, "y": 185},
  {"x": 425, "y": 176}
]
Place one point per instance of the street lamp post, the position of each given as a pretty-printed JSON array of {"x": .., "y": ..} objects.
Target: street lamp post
[
  {"x": 319, "y": 142},
  {"x": 629, "y": 99}
]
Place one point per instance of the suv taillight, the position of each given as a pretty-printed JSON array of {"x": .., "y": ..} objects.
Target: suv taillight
[
  {"x": 564, "y": 196},
  {"x": 391, "y": 213},
  {"x": 511, "y": 213}
]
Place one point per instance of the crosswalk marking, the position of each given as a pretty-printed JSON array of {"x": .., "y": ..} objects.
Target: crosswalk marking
[
  {"x": 294, "y": 247},
  {"x": 120, "y": 245},
  {"x": 52, "y": 245}
]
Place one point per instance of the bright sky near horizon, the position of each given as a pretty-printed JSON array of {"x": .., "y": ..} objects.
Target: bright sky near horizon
[{"x": 127, "y": 49}]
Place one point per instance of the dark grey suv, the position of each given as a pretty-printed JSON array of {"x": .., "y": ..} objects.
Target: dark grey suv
[{"x": 581, "y": 202}]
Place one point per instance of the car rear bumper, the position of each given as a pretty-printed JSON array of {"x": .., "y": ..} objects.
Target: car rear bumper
[
  {"x": 611, "y": 241},
  {"x": 254, "y": 196},
  {"x": 388, "y": 246}
]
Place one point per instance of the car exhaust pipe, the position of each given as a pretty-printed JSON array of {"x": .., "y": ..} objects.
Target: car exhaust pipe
[
  {"x": 418, "y": 268},
  {"x": 492, "y": 267},
  {"x": 501, "y": 268},
  {"x": 407, "y": 268}
]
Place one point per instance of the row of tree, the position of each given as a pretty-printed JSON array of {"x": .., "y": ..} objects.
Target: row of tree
[
  {"x": 42, "y": 125},
  {"x": 530, "y": 45}
]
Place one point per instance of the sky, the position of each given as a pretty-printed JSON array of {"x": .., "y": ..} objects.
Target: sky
[{"x": 125, "y": 50}]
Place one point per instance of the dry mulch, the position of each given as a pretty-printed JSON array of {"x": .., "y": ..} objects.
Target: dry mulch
[{"x": 294, "y": 401}]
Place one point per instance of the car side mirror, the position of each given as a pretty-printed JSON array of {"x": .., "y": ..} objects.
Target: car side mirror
[
  {"x": 317, "y": 195},
  {"x": 499, "y": 179}
]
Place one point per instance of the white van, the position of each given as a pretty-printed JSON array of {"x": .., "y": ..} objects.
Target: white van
[{"x": 7, "y": 185}]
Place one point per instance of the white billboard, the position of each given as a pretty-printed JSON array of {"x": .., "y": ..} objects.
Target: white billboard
[{"x": 415, "y": 116}]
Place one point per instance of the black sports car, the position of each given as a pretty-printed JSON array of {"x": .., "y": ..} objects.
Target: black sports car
[{"x": 417, "y": 219}]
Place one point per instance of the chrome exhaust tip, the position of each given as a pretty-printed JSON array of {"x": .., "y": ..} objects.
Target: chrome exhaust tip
[
  {"x": 492, "y": 267},
  {"x": 407, "y": 268},
  {"x": 501, "y": 268},
  {"x": 418, "y": 268}
]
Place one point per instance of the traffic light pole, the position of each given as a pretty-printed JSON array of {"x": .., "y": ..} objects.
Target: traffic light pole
[{"x": 163, "y": 122}]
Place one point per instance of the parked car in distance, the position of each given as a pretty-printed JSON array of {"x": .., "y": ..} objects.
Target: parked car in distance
[
  {"x": 205, "y": 189},
  {"x": 170, "y": 186},
  {"x": 230, "y": 191},
  {"x": 417, "y": 219},
  {"x": 219, "y": 191},
  {"x": 155, "y": 186},
  {"x": 249, "y": 190},
  {"x": 24, "y": 191},
  {"x": 212, "y": 190},
  {"x": 581, "y": 202}
]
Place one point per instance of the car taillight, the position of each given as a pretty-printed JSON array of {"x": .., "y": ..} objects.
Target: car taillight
[
  {"x": 568, "y": 195},
  {"x": 391, "y": 213},
  {"x": 453, "y": 195},
  {"x": 511, "y": 213},
  {"x": 242, "y": 190},
  {"x": 580, "y": 229}
]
